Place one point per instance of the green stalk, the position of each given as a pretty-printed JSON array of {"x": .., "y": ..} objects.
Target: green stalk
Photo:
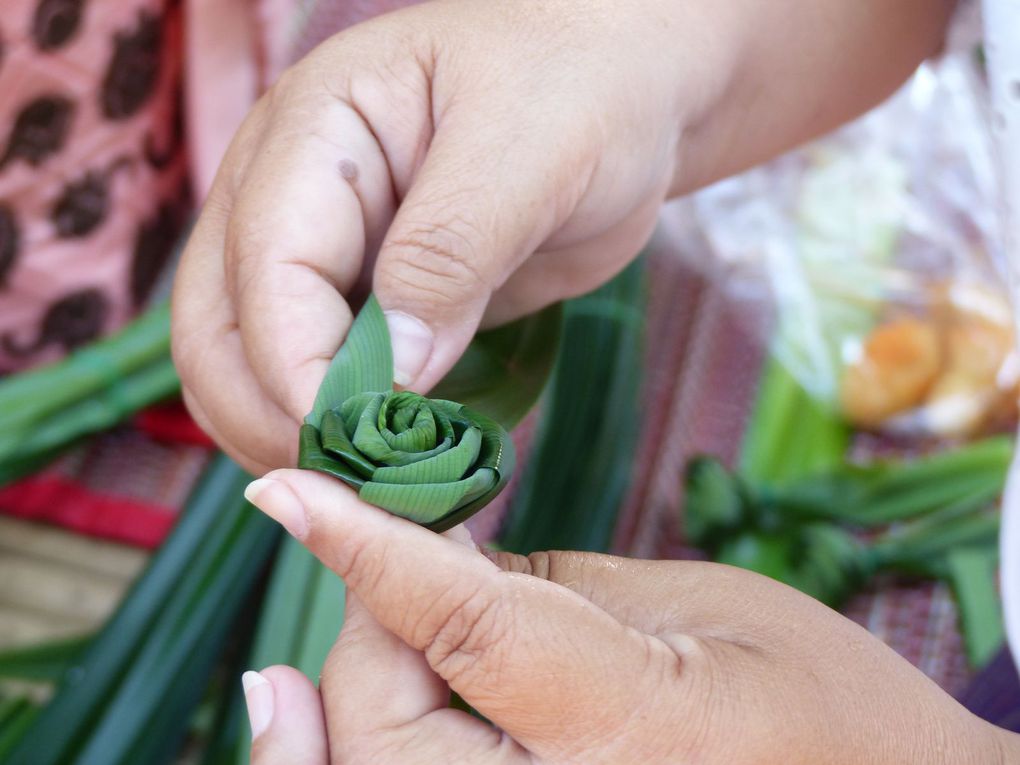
[
  {"x": 28, "y": 397},
  {"x": 581, "y": 463},
  {"x": 972, "y": 577},
  {"x": 145, "y": 386},
  {"x": 790, "y": 435}
]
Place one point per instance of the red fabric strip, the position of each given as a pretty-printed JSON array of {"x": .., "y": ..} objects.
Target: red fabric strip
[
  {"x": 171, "y": 423},
  {"x": 69, "y": 504}
]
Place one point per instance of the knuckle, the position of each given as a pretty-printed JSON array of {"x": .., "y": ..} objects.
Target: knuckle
[
  {"x": 473, "y": 635},
  {"x": 362, "y": 565},
  {"x": 438, "y": 260}
]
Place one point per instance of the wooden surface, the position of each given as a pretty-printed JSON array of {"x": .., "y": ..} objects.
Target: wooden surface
[{"x": 55, "y": 584}]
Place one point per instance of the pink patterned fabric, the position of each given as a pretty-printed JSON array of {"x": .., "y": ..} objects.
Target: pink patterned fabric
[
  {"x": 92, "y": 172},
  {"x": 96, "y": 147}
]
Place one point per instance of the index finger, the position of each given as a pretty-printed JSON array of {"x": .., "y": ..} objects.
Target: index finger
[{"x": 315, "y": 197}]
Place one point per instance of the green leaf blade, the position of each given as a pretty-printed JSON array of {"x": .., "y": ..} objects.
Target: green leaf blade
[{"x": 363, "y": 363}]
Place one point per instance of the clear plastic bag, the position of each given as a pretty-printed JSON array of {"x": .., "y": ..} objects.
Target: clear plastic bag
[{"x": 878, "y": 250}]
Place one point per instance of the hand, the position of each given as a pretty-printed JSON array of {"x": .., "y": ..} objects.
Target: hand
[
  {"x": 526, "y": 165},
  {"x": 582, "y": 658},
  {"x": 495, "y": 157}
]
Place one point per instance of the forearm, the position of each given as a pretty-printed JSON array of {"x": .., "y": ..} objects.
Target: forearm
[
  {"x": 1009, "y": 746},
  {"x": 802, "y": 67}
]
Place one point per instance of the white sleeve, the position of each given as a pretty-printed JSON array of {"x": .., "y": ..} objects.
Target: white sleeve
[{"x": 1002, "y": 52}]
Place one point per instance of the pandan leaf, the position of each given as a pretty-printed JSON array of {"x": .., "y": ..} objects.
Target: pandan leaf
[
  {"x": 46, "y": 662},
  {"x": 502, "y": 373},
  {"x": 16, "y": 716},
  {"x": 363, "y": 363},
  {"x": 972, "y": 573},
  {"x": 153, "y": 658},
  {"x": 504, "y": 370},
  {"x": 430, "y": 460},
  {"x": 570, "y": 493}
]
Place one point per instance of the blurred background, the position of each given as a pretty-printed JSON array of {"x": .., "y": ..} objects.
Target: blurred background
[{"x": 810, "y": 372}]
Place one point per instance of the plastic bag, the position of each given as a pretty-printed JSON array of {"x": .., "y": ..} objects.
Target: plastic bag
[{"x": 878, "y": 250}]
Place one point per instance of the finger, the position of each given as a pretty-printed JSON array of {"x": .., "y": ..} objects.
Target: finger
[
  {"x": 286, "y": 718},
  {"x": 574, "y": 267},
  {"x": 209, "y": 357},
  {"x": 384, "y": 703},
  {"x": 664, "y": 597},
  {"x": 373, "y": 683},
  {"x": 314, "y": 199},
  {"x": 202, "y": 420},
  {"x": 444, "y": 736},
  {"x": 543, "y": 663},
  {"x": 468, "y": 221}
]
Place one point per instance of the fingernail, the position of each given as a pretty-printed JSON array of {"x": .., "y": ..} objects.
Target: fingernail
[
  {"x": 276, "y": 500},
  {"x": 412, "y": 345},
  {"x": 258, "y": 696}
]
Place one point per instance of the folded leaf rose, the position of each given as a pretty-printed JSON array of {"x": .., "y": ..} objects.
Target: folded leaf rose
[{"x": 432, "y": 461}]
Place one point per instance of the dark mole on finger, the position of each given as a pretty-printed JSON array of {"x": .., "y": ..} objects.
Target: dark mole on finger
[{"x": 348, "y": 170}]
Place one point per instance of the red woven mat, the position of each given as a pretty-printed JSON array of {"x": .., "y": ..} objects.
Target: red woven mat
[{"x": 125, "y": 485}]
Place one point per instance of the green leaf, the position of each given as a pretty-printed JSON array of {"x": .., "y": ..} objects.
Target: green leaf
[
  {"x": 504, "y": 370},
  {"x": 581, "y": 464},
  {"x": 419, "y": 458},
  {"x": 323, "y": 619},
  {"x": 16, "y": 716},
  {"x": 301, "y": 617},
  {"x": 156, "y": 651},
  {"x": 46, "y": 662},
  {"x": 713, "y": 501},
  {"x": 312, "y": 457},
  {"x": 29, "y": 397},
  {"x": 448, "y": 466},
  {"x": 972, "y": 576},
  {"x": 766, "y": 554},
  {"x": 44, "y": 411},
  {"x": 363, "y": 363}
]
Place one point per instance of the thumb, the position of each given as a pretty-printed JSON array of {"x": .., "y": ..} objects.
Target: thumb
[
  {"x": 285, "y": 713},
  {"x": 545, "y": 665},
  {"x": 471, "y": 217}
]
